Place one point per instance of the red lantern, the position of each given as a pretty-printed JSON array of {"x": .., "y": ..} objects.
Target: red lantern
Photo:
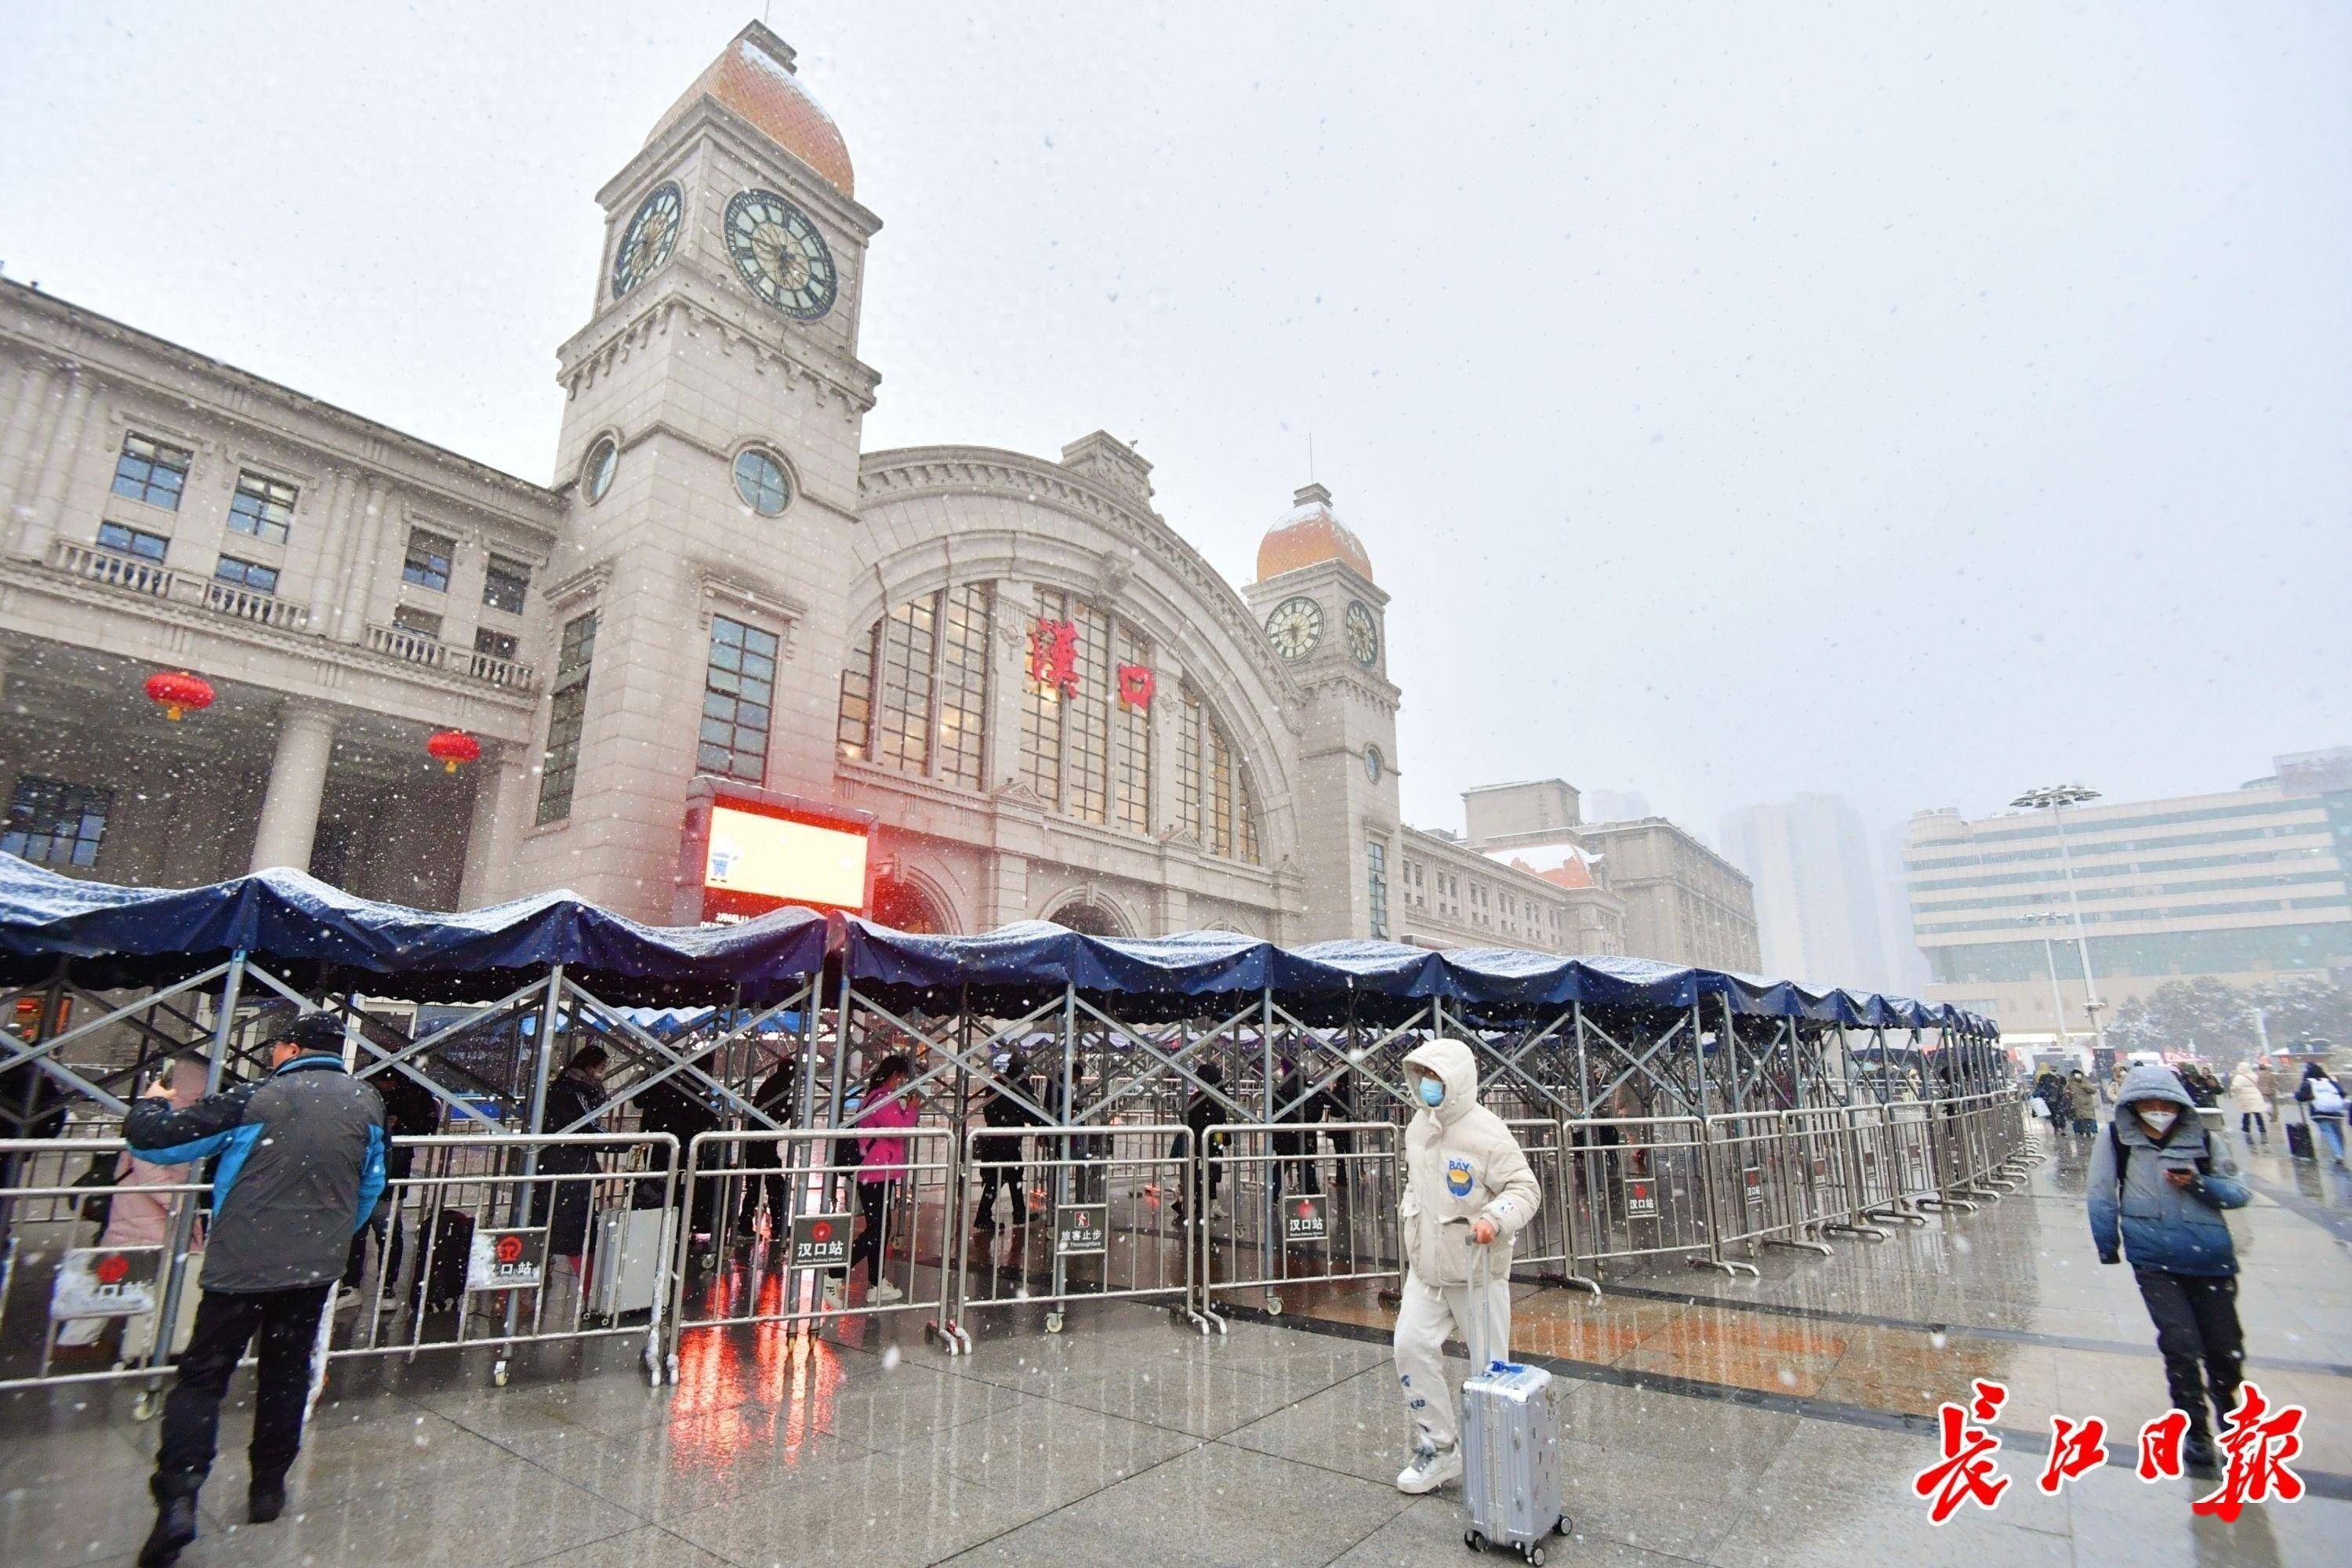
[
  {"x": 453, "y": 746},
  {"x": 175, "y": 691}
]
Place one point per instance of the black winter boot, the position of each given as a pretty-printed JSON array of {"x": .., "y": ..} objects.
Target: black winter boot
[
  {"x": 265, "y": 1499},
  {"x": 175, "y": 1528},
  {"x": 2198, "y": 1455}
]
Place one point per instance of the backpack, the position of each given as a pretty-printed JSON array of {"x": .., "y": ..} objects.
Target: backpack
[{"x": 2326, "y": 1099}]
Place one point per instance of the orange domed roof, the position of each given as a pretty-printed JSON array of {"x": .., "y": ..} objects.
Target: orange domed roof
[
  {"x": 753, "y": 77},
  {"x": 1308, "y": 535}
]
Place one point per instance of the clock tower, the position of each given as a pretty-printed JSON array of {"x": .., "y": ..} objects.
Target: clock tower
[
  {"x": 692, "y": 618},
  {"x": 1316, "y": 598}
]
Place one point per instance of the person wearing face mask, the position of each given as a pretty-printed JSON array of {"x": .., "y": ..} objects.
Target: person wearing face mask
[
  {"x": 1461, "y": 1164},
  {"x": 2157, "y": 1185}
]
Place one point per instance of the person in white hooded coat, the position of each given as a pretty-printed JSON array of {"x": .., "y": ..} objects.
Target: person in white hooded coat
[{"x": 1467, "y": 1187}]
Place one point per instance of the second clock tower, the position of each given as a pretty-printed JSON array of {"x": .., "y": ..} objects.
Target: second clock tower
[{"x": 1323, "y": 612}]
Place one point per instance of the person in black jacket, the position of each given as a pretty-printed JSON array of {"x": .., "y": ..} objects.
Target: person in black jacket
[
  {"x": 410, "y": 1111},
  {"x": 764, "y": 1163},
  {"x": 1294, "y": 1152},
  {"x": 1001, "y": 1157},
  {"x": 1204, "y": 1112},
  {"x": 301, "y": 1165},
  {"x": 576, "y": 1092}
]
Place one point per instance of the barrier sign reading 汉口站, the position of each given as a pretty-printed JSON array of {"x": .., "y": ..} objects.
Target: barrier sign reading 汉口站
[
  {"x": 1302, "y": 1220},
  {"x": 821, "y": 1240},
  {"x": 1641, "y": 1198},
  {"x": 1081, "y": 1230},
  {"x": 506, "y": 1260},
  {"x": 106, "y": 1282}
]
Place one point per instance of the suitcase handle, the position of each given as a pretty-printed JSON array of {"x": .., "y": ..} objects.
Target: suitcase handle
[{"x": 1483, "y": 1294}]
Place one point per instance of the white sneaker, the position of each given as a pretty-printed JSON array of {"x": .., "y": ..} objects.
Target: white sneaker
[
  {"x": 1216, "y": 1211},
  {"x": 1430, "y": 1469},
  {"x": 831, "y": 1299},
  {"x": 885, "y": 1293},
  {"x": 346, "y": 1298}
]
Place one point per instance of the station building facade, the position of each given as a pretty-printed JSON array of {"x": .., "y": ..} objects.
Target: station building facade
[{"x": 1048, "y": 702}]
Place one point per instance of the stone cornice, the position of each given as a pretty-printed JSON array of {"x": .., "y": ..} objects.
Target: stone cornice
[
  {"x": 190, "y": 620},
  {"x": 670, "y": 304},
  {"x": 912, "y": 472},
  {"x": 266, "y": 410}
]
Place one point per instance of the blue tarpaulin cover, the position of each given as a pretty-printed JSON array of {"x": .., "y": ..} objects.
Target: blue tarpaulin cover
[
  {"x": 305, "y": 930},
  {"x": 295, "y": 925}
]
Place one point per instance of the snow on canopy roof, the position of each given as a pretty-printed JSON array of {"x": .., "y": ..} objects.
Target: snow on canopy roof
[
  {"x": 304, "y": 931},
  {"x": 293, "y": 924}
]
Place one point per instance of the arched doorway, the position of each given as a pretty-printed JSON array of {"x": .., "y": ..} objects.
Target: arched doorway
[
  {"x": 1086, "y": 917},
  {"x": 903, "y": 906}
]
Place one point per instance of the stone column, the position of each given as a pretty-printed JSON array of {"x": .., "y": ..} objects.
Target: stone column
[
  {"x": 38, "y": 501},
  {"x": 358, "y": 577},
  {"x": 297, "y": 779},
  {"x": 23, "y": 420},
  {"x": 1014, "y": 612},
  {"x": 498, "y": 797},
  {"x": 335, "y": 547}
]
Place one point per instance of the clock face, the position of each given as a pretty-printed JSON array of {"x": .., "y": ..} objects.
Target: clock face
[
  {"x": 779, "y": 254},
  {"x": 1363, "y": 636},
  {"x": 651, "y": 235},
  {"x": 1295, "y": 627},
  {"x": 1374, "y": 766}
]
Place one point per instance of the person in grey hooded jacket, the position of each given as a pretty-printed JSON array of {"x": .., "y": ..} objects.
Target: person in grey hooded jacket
[{"x": 2157, "y": 1185}]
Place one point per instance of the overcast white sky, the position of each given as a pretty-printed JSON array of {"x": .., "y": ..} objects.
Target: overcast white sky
[{"x": 1737, "y": 399}]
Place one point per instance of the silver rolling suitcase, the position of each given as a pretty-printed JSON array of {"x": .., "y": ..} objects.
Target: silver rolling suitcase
[{"x": 1511, "y": 1449}]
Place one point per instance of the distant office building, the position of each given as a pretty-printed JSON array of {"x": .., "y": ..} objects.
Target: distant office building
[
  {"x": 1683, "y": 903},
  {"x": 2244, "y": 886},
  {"x": 1816, "y": 890},
  {"x": 1615, "y": 805},
  {"x": 1908, "y": 974}
]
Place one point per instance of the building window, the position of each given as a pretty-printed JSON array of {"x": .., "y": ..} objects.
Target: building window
[
  {"x": 505, "y": 584},
  {"x": 759, "y": 481},
  {"x": 567, "y": 712},
  {"x": 131, "y": 540},
  {"x": 422, "y": 623},
  {"x": 1213, "y": 797},
  {"x": 428, "y": 564},
  {"x": 58, "y": 822},
  {"x": 262, "y": 508},
  {"x": 926, "y": 715},
  {"x": 496, "y": 644},
  {"x": 1376, "y": 884},
  {"x": 151, "y": 472},
  {"x": 1083, "y": 751},
  {"x": 603, "y": 458},
  {"x": 738, "y": 697},
  {"x": 248, "y": 574}
]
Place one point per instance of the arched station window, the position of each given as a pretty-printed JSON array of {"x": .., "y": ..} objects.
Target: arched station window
[
  {"x": 1083, "y": 750},
  {"x": 1213, "y": 797},
  {"x": 914, "y": 695}
]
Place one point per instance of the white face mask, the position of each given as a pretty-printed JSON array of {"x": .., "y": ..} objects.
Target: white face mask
[{"x": 2158, "y": 1120}]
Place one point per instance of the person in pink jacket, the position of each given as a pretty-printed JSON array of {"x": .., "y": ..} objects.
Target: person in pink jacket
[
  {"x": 882, "y": 1163},
  {"x": 137, "y": 1218}
]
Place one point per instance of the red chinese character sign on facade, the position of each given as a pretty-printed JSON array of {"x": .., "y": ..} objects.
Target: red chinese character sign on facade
[
  {"x": 1136, "y": 685},
  {"x": 1054, "y": 655},
  {"x": 1965, "y": 1474}
]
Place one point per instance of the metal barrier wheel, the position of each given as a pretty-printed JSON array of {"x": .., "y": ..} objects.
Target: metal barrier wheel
[
  {"x": 1053, "y": 1322},
  {"x": 499, "y": 1374}
]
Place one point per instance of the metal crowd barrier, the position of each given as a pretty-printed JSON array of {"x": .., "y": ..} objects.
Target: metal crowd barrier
[
  {"x": 1830, "y": 1196},
  {"x": 1103, "y": 1202},
  {"x": 506, "y": 1239},
  {"x": 1877, "y": 1177},
  {"x": 1542, "y": 1243},
  {"x": 783, "y": 1278},
  {"x": 95, "y": 1292},
  {"x": 1638, "y": 1189},
  {"x": 1754, "y": 1175},
  {"x": 1274, "y": 1221}
]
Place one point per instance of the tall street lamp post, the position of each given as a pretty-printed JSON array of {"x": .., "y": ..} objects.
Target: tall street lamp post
[
  {"x": 2047, "y": 918},
  {"x": 2055, "y": 799}
]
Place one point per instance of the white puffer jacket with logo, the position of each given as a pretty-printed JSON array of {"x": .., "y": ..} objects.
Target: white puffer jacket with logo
[{"x": 1461, "y": 1162}]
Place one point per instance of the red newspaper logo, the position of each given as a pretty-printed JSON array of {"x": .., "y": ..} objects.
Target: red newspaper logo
[
  {"x": 1966, "y": 1472},
  {"x": 2256, "y": 1447},
  {"x": 2159, "y": 1447},
  {"x": 2073, "y": 1450}
]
